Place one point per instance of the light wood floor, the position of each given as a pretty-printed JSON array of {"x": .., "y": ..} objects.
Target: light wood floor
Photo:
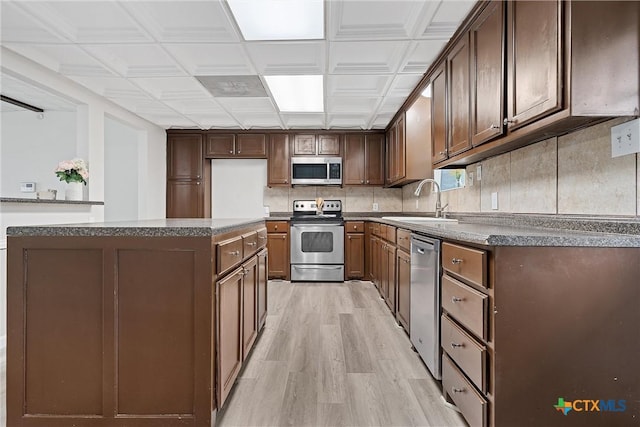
[{"x": 332, "y": 355}]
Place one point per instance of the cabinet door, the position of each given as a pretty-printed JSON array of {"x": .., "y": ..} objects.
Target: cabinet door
[
  {"x": 399, "y": 148},
  {"x": 487, "y": 74},
  {"x": 185, "y": 199},
  {"x": 458, "y": 96},
  {"x": 329, "y": 145},
  {"x": 376, "y": 258},
  {"x": 392, "y": 282},
  {"x": 403, "y": 313},
  {"x": 390, "y": 160},
  {"x": 221, "y": 146},
  {"x": 278, "y": 160},
  {"x": 249, "y": 305},
  {"x": 354, "y": 256},
  {"x": 278, "y": 244},
  {"x": 534, "y": 60},
  {"x": 263, "y": 257},
  {"x": 229, "y": 297},
  {"x": 184, "y": 157},
  {"x": 304, "y": 145},
  {"x": 251, "y": 145},
  {"x": 439, "y": 115},
  {"x": 374, "y": 159},
  {"x": 354, "y": 159}
]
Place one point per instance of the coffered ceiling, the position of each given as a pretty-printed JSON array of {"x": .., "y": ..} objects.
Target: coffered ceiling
[{"x": 144, "y": 56}]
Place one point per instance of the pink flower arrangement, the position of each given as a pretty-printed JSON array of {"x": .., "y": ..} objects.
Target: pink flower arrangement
[{"x": 73, "y": 171}]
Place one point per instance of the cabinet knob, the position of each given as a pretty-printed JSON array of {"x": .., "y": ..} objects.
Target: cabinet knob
[
  {"x": 355, "y": 227},
  {"x": 197, "y": 183},
  {"x": 494, "y": 126},
  {"x": 362, "y": 181},
  {"x": 284, "y": 237},
  {"x": 367, "y": 181},
  {"x": 349, "y": 237},
  {"x": 239, "y": 151},
  {"x": 276, "y": 227},
  {"x": 456, "y": 261},
  {"x": 441, "y": 153},
  {"x": 234, "y": 253},
  {"x": 455, "y": 345},
  {"x": 456, "y": 299},
  {"x": 230, "y": 151},
  {"x": 286, "y": 181},
  {"x": 507, "y": 121},
  {"x": 457, "y": 390}
]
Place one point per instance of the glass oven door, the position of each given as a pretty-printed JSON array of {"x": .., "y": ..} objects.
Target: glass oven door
[{"x": 317, "y": 244}]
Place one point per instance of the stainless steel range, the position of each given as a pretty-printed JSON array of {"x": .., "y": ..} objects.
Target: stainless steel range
[{"x": 317, "y": 241}]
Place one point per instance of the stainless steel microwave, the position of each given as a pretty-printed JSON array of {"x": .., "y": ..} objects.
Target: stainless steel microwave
[{"x": 316, "y": 170}]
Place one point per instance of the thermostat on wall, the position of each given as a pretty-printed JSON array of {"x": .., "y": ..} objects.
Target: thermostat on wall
[{"x": 27, "y": 187}]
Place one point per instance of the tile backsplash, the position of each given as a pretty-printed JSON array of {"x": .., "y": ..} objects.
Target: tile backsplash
[
  {"x": 569, "y": 174},
  {"x": 354, "y": 199}
]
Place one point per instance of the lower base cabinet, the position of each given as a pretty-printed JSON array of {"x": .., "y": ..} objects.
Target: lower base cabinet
[
  {"x": 263, "y": 262},
  {"x": 403, "y": 312},
  {"x": 249, "y": 305}
]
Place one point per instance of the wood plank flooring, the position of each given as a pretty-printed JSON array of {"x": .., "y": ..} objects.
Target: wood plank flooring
[{"x": 332, "y": 355}]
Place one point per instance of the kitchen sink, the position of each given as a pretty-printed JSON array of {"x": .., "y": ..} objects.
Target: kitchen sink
[{"x": 420, "y": 219}]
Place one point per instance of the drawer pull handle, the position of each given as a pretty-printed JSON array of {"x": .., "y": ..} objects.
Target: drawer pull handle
[
  {"x": 456, "y": 261},
  {"x": 262, "y": 237},
  {"x": 457, "y": 390},
  {"x": 456, "y": 299},
  {"x": 251, "y": 243},
  {"x": 455, "y": 345},
  {"x": 234, "y": 253}
]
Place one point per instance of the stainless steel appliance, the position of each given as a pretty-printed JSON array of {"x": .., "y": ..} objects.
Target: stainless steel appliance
[
  {"x": 425, "y": 301},
  {"x": 316, "y": 170},
  {"x": 317, "y": 241}
]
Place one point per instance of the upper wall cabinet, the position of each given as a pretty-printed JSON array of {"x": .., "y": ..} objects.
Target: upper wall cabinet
[
  {"x": 184, "y": 157},
  {"x": 316, "y": 145},
  {"x": 278, "y": 161},
  {"x": 224, "y": 146},
  {"x": 363, "y": 159},
  {"x": 536, "y": 69},
  {"x": 188, "y": 177}
]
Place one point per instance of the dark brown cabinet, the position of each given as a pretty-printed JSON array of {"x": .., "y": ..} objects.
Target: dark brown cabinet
[
  {"x": 263, "y": 257},
  {"x": 534, "y": 60},
  {"x": 403, "y": 309},
  {"x": 439, "y": 114},
  {"x": 316, "y": 144},
  {"x": 278, "y": 245},
  {"x": 244, "y": 145},
  {"x": 229, "y": 308},
  {"x": 458, "y": 97},
  {"x": 363, "y": 159},
  {"x": 389, "y": 281},
  {"x": 188, "y": 178},
  {"x": 278, "y": 163},
  {"x": 487, "y": 62},
  {"x": 249, "y": 305},
  {"x": 396, "y": 145},
  {"x": 354, "y": 249}
]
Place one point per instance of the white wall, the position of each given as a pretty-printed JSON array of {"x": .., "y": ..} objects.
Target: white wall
[
  {"x": 31, "y": 149},
  {"x": 236, "y": 188},
  {"x": 121, "y": 159}
]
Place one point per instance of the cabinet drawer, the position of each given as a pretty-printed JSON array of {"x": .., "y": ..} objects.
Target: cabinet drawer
[
  {"x": 250, "y": 243},
  {"x": 389, "y": 233},
  {"x": 466, "y": 305},
  {"x": 262, "y": 238},
  {"x": 466, "y": 263},
  {"x": 471, "y": 403},
  {"x": 403, "y": 238},
  {"x": 465, "y": 351},
  {"x": 229, "y": 253},
  {"x": 277, "y": 226},
  {"x": 354, "y": 226},
  {"x": 376, "y": 229}
]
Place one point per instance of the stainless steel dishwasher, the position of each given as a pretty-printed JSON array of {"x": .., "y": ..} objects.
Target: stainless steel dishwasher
[{"x": 425, "y": 301}]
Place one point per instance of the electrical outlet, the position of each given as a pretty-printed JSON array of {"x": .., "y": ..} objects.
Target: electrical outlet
[
  {"x": 479, "y": 173},
  {"x": 625, "y": 138},
  {"x": 494, "y": 201},
  {"x": 470, "y": 179},
  {"x": 375, "y": 207}
]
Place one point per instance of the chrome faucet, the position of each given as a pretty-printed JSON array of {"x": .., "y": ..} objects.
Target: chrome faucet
[{"x": 439, "y": 207}]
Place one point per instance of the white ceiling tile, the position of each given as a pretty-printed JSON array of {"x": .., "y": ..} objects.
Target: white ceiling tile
[
  {"x": 447, "y": 19},
  {"x": 21, "y": 26},
  {"x": 258, "y": 120},
  {"x": 15, "y": 88},
  {"x": 392, "y": 104},
  {"x": 135, "y": 60},
  {"x": 287, "y": 58},
  {"x": 402, "y": 85},
  {"x": 212, "y": 59},
  {"x": 215, "y": 120},
  {"x": 357, "y": 121},
  {"x": 371, "y": 57},
  {"x": 193, "y": 107},
  {"x": 247, "y": 105},
  {"x": 170, "y": 121},
  {"x": 373, "y": 20},
  {"x": 167, "y": 88},
  {"x": 422, "y": 55},
  {"x": 357, "y": 85},
  {"x": 381, "y": 121},
  {"x": 310, "y": 120},
  {"x": 349, "y": 104},
  {"x": 184, "y": 21},
  {"x": 112, "y": 87}
]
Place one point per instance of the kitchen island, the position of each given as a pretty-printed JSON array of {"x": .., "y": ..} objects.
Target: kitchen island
[{"x": 141, "y": 323}]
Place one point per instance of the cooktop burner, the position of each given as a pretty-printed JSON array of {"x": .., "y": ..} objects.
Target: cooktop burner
[{"x": 318, "y": 210}]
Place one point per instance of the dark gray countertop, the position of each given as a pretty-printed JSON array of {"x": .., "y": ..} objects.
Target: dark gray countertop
[
  {"x": 521, "y": 230},
  {"x": 145, "y": 228},
  {"x": 48, "y": 202}
]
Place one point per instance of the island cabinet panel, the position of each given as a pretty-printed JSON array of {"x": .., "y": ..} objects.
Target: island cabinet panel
[
  {"x": 249, "y": 304},
  {"x": 64, "y": 356},
  {"x": 403, "y": 312},
  {"x": 155, "y": 369},
  {"x": 263, "y": 261},
  {"x": 229, "y": 292}
]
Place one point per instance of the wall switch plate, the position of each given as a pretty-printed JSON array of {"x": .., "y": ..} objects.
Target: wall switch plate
[
  {"x": 494, "y": 200},
  {"x": 267, "y": 211},
  {"x": 375, "y": 207},
  {"x": 470, "y": 179},
  {"x": 625, "y": 138},
  {"x": 27, "y": 187},
  {"x": 479, "y": 173}
]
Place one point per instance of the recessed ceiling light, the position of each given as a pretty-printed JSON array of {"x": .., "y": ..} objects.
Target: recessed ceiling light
[
  {"x": 297, "y": 93},
  {"x": 279, "y": 19}
]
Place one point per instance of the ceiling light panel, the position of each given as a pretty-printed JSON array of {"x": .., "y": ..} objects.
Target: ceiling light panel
[
  {"x": 297, "y": 93},
  {"x": 279, "y": 19}
]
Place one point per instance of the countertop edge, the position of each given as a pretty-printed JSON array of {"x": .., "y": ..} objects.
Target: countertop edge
[{"x": 49, "y": 202}]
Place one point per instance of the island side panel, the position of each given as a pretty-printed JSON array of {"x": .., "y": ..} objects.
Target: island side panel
[
  {"x": 135, "y": 311},
  {"x": 566, "y": 326}
]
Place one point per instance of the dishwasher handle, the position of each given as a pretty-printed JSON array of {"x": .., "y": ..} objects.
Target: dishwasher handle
[{"x": 422, "y": 244}]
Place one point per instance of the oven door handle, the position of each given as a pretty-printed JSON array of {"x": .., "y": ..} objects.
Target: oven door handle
[{"x": 297, "y": 267}]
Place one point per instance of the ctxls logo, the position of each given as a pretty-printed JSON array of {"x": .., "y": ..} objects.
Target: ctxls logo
[{"x": 590, "y": 405}]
